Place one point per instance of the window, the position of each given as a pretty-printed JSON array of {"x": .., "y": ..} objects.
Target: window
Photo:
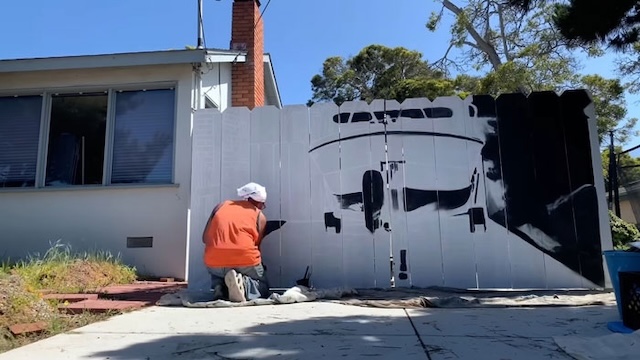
[
  {"x": 438, "y": 112},
  {"x": 19, "y": 134},
  {"x": 412, "y": 113},
  {"x": 341, "y": 118},
  {"x": 100, "y": 138},
  {"x": 143, "y": 137},
  {"x": 361, "y": 117},
  {"x": 76, "y": 139},
  {"x": 393, "y": 114}
]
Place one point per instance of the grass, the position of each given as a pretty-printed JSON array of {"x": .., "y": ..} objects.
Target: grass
[{"x": 61, "y": 271}]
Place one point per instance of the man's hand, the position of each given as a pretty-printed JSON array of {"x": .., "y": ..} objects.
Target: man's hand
[{"x": 262, "y": 227}]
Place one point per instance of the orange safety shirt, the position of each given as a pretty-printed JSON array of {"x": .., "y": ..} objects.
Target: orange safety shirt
[{"x": 232, "y": 237}]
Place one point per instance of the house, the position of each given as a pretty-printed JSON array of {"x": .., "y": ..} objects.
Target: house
[
  {"x": 95, "y": 150},
  {"x": 629, "y": 204}
]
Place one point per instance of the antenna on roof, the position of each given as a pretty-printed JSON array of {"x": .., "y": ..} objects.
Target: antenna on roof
[{"x": 200, "y": 26}]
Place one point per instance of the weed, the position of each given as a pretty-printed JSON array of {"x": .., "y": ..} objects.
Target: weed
[
  {"x": 62, "y": 270},
  {"x": 59, "y": 270}
]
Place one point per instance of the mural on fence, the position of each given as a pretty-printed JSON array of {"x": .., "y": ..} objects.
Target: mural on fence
[{"x": 474, "y": 193}]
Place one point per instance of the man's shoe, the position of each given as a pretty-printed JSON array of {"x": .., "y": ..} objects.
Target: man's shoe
[{"x": 235, "y": 284}]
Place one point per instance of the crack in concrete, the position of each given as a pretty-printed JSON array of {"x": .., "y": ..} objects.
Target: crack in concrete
[
  {"x": 415, "y": 330},
  {"x": 182, "y": 352}
]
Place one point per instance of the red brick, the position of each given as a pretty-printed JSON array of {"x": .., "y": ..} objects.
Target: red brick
[
  {"x": 19, "y": 329},
  {"x": 167, "y": 279},
  {"x": 101, "y": 306},
  {"x": 248, "y": 77},
  {"x": 71, "y": 297}
]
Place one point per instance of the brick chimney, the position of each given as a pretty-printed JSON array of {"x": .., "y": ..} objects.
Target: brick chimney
[{"x": 247, "y": 78}]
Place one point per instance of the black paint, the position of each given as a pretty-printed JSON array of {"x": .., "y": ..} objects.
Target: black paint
[
  {"x": 273, "y": 225},
  {"x": 539, "y": 147},
  {"x": 395, "y": 204},
  {"x": 348, "y": 200},
  {"x": 398, "y": 132},
  {"x": 585, "y": 204},
  {"x": 373, "y": 196},
  {"x": 330, "y": 221},
  {"x": 403, "y": 260},
  {"x": 445, "y": 199},
  {"x": 476, "y": 217}
]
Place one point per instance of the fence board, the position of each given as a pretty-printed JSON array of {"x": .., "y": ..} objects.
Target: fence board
[
  {"x": 492, "y": 246},
  {"x": 265, "y": 170},
  {"x": 355, "y": 165},
  {"x": 295, "y": 234},
  {"x": 326, "y": 215}
]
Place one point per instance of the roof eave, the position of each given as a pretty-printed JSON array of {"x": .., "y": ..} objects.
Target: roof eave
[
  {"x": 271, "y": 84},
  {"x": 167, "y": 57}
]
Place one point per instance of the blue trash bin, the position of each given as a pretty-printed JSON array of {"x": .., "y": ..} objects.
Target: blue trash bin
[{"x": 618, "y": 261}]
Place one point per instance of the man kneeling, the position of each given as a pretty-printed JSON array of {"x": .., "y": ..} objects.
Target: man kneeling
[{"x": 232, "y": 239}]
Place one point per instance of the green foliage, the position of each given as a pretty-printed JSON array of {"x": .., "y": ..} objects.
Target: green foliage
[
  {"x": 591, "y": 21},
  {"x": 378, "y": 72},
  {"x": 62, "y": 270},
  {"x": 628, "y": 167},
  {"x": 629, "y": 66},
  {"x": 493, "y": 36},
  {"x": 622, "y": 232},
  {"x": 610, "y": 107}
]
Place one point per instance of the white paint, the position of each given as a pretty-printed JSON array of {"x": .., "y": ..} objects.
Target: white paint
[{"x": 439, "y": 153}]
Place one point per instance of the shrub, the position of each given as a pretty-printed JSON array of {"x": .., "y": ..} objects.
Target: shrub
[{"x": 622, "y": 232}]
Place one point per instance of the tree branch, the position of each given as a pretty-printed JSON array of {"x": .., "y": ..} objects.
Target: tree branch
[
  {"x": 482, "y": 44},
  {"x": 502, "y": 34}
]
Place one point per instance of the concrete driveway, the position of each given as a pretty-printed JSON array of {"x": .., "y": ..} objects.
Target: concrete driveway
[{"x": 322, "y": 330}]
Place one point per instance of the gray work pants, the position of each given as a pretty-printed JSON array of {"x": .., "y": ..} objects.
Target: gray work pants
[{"x": 255, "y": 280}]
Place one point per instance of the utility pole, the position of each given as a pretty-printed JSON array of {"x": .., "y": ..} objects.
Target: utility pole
[
  {"x": 611, "y": 170},
  {"x": 200, "y": 26},
  {"x": 614, "y": 194}
]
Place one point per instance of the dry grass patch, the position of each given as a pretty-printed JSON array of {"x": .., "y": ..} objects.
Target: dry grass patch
[{"x": 60, "y": 271}]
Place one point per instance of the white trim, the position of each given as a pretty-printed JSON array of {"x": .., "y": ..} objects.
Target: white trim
[
  {"x": 271, "y": 85},
  {"x": 91, "y": 88},
  {"x": 41, "y": 159},
  {"x": 174, "y": 147},
  {"x": 167, "y": 57},
  {"x": 110, "y": 128},
  {"x": 87, "y": 187},
  {"x": 226, "y": 58}
]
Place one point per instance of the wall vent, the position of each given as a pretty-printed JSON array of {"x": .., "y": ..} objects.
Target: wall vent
[{"x": 139, "y": 241}]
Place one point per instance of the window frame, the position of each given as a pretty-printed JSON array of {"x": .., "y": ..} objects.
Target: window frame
[{"x": 107, "y": 166}]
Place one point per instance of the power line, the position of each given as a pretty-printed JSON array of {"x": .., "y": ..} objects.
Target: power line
[{"x": 261, "y": 13}]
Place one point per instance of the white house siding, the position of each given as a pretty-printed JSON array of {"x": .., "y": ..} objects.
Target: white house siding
[
  {"x": 216, "y": 80},
  {"x": 102, "y": 218}
]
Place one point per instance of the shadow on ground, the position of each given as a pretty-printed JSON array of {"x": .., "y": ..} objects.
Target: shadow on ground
[{"x": 525, "y": 333}]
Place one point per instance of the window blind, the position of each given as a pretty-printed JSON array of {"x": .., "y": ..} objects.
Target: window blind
[
  {"x": 19, "y": 135},
  {"x": 143, "y": 140}
]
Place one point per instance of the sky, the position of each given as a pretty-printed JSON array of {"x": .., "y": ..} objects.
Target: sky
[{"x": 299, "y": 34}]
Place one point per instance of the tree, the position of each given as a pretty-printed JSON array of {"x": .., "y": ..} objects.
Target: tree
[
  {"x": 379, "y": 72},
  {"x": 610, "y": 107},
  {"x": 628, "y": 167},
  {"x": 629, "y": 67},
  {"x": 522, "y": 50},
  {"x": 593, "y": 21}
]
